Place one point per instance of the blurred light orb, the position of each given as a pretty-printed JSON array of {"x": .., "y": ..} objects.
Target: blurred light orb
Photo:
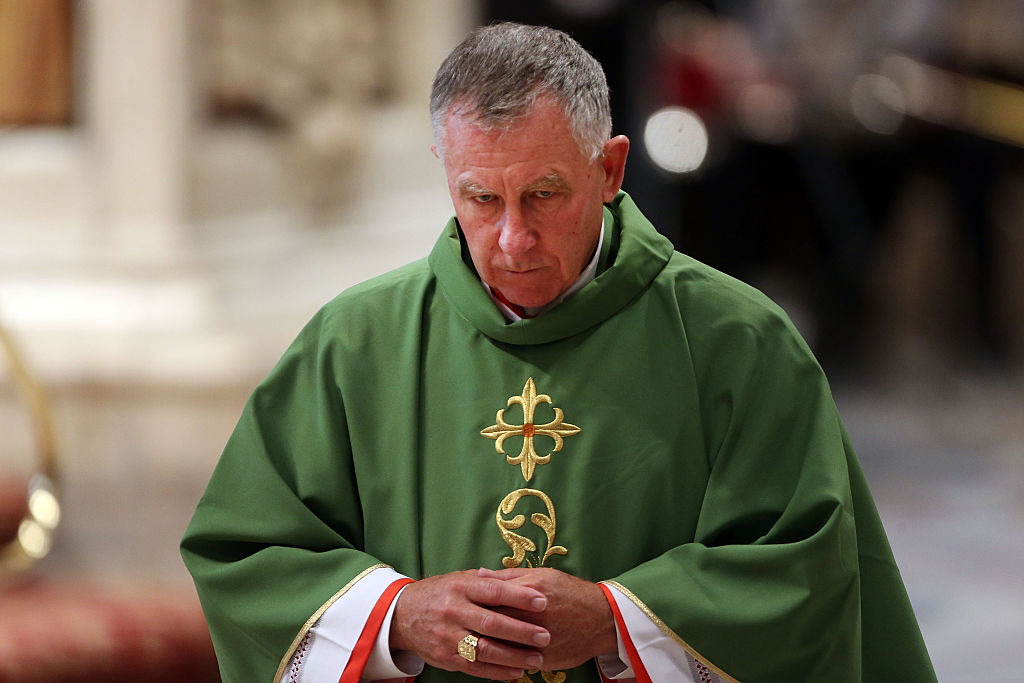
[
  {"x": 878, "y": 103},
  {"x": 35, "y": 540},
  {"x": 767, "y": 113},
  {"x": 913, "y": 80},
  {"x": 44, "y": 507},
  {"x": 676, "y": 139}
]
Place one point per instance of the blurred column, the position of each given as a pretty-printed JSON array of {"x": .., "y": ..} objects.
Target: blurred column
[
  {"x": 137, "y": 110},
  {"x": 419, "y": 35}
]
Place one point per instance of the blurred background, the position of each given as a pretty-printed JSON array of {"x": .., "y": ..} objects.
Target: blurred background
[{"x": 183, "y": 184}]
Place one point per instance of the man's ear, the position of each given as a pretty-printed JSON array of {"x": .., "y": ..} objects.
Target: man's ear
[
  {"x": 613, "y": 161},
  {"x": 433, "y": 150}
]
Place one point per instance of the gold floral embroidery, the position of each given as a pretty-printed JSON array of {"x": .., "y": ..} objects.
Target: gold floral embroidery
[
  {"x": 521, "y": 545},
  {"x": 557, "y": 430}
]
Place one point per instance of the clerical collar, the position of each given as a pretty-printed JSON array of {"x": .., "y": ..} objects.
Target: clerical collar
[{"x": 588, "y": 274}]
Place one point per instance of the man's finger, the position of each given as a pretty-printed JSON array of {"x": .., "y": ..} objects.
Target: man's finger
[
  {"x": 490, "y": 651},
  {"x": 498, "y": 593},
  {"x": 492, "y": 624},
  {"x": 492, "y": 672},
  {"x": 503, "y": 574}
]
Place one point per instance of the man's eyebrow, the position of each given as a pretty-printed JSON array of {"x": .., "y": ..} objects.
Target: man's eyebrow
[
  {"x": 552, "y": 181},
  {"x": 468, "y": 187}
]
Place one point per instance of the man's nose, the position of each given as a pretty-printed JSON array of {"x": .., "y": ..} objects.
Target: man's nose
[{"x": 516, "y": 237}]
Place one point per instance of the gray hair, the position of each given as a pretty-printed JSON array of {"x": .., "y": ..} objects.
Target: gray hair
[{"x": 498, "y": 72}]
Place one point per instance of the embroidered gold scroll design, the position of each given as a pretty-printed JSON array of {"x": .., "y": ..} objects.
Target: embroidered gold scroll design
[
  {"x": 521, "y": 545},
  {"x": 548, "y": 676},
  {"x": 557, "y": 430}
]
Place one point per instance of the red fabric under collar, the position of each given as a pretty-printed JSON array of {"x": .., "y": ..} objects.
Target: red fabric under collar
[{"x": 515, "y": 308}]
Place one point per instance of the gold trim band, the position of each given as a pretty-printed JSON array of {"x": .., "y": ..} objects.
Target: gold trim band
[
  {"x": 668, "y": 631},
  {"x": 316, "y": 617}
]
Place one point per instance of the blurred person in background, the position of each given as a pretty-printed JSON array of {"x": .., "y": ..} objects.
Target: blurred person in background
[
  {"x": 555, "y": 449},
  {"x": 842, "y": 139}
]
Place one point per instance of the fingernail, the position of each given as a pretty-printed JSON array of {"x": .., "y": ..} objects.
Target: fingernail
[
  {"x": 534, "y": 661},
  {"x": 542, "y": 638},
  {"x": 539, "y": 604}
]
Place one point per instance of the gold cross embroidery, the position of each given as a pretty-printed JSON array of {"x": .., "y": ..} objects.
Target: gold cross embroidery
[{"x": 557, "y": 430}]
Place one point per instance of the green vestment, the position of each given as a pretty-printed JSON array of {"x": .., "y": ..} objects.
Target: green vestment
[{"x": 665, "y": 429}]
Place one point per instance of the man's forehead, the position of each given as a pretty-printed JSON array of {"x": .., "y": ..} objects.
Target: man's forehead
[
  {"x": 467, "y": 130},
  {"x": 465, "y": 121},
  {"x": 467, "y": 112}
]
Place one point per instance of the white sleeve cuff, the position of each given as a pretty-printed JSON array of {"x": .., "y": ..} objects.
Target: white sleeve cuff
[
  {"x": 663, "y": 657},
  {"x": 334, "y": 635},
  {"x": 386, "y": 663}
]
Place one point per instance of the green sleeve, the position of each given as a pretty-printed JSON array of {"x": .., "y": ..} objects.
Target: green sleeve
[
  {"x": 278, "y": 532},
  {"x": 772, "y": 588}
]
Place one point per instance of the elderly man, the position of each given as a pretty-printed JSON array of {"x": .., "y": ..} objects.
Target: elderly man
[{"x": 553, "y": 450}]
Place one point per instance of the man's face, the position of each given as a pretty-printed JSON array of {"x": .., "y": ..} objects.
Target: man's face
[{"x": 529, "y": 201}]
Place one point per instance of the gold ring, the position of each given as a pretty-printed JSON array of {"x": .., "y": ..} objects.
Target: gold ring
[{"x": 467, "y": 648}]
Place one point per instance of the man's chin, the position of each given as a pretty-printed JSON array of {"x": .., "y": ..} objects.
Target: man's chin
[{"x": 530, "y": 289}]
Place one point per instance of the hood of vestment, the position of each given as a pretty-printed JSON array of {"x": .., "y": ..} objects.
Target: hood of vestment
[{"x": 635, "y": 255}]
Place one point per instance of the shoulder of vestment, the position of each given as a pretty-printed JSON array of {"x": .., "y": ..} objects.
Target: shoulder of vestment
[
  {"x": 720, "y": 312},
  {"x": 374, "y": 300}
]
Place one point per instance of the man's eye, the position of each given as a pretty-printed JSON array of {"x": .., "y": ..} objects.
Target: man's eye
[
  {"x": 483, "y": 198},
  {"x": 544, "y": 194}
]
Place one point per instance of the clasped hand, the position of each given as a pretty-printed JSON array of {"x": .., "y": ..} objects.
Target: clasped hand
[{"x": 523, "y": 618}]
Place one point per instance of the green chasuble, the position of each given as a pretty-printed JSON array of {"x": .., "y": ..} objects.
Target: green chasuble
[{"x": 664, "y": 429}]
